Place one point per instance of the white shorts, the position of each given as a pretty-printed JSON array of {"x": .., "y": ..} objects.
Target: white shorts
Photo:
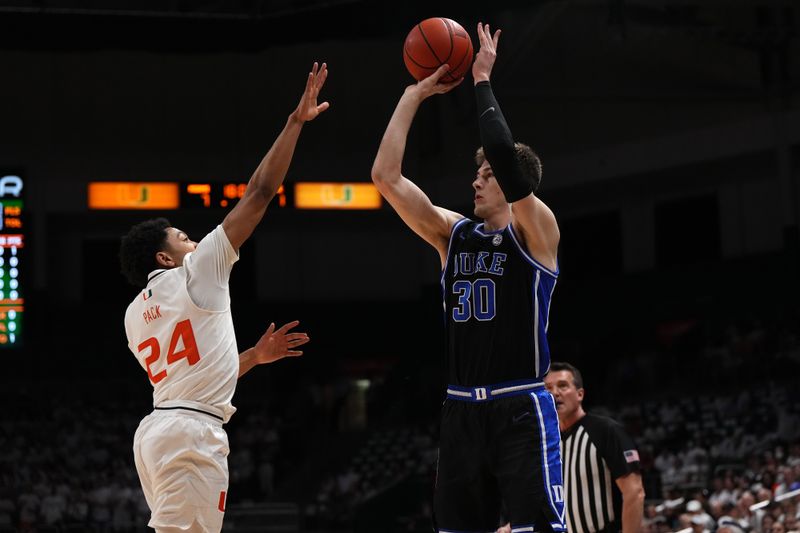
[{"x": 182, "y": 460}]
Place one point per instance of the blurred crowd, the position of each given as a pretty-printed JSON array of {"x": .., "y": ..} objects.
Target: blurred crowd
[
  {"x": 67, "y": 459},
  {"x": 68, "y": 466},
  {"x": 760, "y": 496}
]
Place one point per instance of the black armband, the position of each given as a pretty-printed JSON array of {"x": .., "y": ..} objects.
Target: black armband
[{"x": 498, "y": 146}]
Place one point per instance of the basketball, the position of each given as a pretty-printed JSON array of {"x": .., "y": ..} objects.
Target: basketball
[{"x": 436, "y": 41}]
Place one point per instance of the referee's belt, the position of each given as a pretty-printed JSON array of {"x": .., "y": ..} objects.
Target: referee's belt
[{"x": 485, "y": 393}]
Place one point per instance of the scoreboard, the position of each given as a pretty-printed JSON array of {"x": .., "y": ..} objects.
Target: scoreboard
[
  {"x": 12, "y": 244},
  {"x": 128, "y": 195}
]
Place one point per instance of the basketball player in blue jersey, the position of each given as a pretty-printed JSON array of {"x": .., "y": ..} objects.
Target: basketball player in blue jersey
[{"x": 500, "y": 442}]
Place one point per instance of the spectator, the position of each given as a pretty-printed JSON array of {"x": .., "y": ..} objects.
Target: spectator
[
  {"x": 695, "y": 509},
  {"x": 698, "y": 524}
]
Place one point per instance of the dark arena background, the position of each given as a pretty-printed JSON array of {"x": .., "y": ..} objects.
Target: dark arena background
[{"x": 670, "y": 137}]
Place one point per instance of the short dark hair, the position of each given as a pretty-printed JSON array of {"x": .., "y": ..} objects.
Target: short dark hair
[
  {"x": 138, "y": 249},
  {"x": 528, "y": 161},
  {"x": 577, "y": 378}
]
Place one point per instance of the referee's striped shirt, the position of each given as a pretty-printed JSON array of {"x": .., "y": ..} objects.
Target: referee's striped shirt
[{"x": 595, "y": 451}]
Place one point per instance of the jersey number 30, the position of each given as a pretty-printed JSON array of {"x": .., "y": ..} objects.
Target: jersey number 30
[
  {"x": 183, "y": 331},
  {"x": 475, "y": 298}
]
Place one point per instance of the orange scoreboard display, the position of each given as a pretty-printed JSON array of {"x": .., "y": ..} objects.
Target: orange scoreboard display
[
  {"x": 168, "y": 195},
  {"x": 12, "y": 245},
  {"x": 118, "y": 195}
]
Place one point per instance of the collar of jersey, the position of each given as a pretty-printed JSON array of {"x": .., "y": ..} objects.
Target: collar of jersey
[
  {"x": 479, "y": 230},
  {"x": 154, "y": 274}
]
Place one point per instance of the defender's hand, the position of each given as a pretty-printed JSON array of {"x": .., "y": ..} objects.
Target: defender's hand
[
  {"x": 277, "y": 344},
  {"x": 308, "y": 109},
  {"x": 484, "y": 61}
]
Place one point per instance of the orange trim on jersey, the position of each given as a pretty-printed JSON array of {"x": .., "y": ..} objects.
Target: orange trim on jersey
[{"x": 222, "y": 501}]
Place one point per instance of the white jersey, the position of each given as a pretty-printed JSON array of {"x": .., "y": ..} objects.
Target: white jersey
[{"x": 181, "y": 331}]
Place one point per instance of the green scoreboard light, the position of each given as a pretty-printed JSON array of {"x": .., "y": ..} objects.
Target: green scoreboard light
[{"x": 12, "y": 244}]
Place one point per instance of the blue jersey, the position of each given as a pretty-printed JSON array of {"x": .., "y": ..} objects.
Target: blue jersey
[{"x": 497, "y": 307}]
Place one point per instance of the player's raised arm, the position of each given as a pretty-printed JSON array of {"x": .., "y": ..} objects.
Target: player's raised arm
[
  {"x": 430, "y": 222},
  {"x": 268, "y": 177},
  {"x": 530, "y": 216}
]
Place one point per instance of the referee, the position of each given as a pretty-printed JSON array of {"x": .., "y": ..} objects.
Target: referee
[{"x": 595, "y": 450}]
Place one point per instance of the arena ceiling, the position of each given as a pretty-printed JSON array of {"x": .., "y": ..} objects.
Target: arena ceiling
[{"x": 729, "y": 48}]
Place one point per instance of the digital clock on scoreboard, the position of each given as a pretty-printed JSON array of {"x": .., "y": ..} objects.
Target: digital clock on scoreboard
[
  {"x": 12, "y": 243},
  {"x": 220, "y": 195}
]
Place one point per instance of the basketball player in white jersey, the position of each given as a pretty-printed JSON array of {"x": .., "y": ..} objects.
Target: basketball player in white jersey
[{"x": 180, "y": 329}]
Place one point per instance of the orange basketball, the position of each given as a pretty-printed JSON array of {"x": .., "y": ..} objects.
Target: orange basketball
[{"x": 434, "y": 42}]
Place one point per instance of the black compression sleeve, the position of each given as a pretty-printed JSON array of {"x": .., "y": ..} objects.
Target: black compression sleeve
[{"x": 498, "y": 146}]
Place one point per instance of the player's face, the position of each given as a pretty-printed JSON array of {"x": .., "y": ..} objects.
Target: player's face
[
  {"x": 178, "y": 244},
  {"x": 562, "y": 386},
  {"x": 489, "y": 197}
]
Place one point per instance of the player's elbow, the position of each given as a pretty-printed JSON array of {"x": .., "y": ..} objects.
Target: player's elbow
[
  {"x": 376, "y": 173},
  {"x": 383, "y": 173}
]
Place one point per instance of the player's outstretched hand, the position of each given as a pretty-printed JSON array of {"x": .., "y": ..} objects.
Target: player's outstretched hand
[
  {"x": 277, "y": 344},
  {"x": 484, "y": 60},
  {"x": 308, "y": 109},
  {"x": 431, "y": 85}
]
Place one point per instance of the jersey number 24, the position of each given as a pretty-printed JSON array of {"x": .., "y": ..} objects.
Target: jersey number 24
[{"x": 183, "y": 331}]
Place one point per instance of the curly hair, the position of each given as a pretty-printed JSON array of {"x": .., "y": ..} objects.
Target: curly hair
[
  {"x": 138, "y": 249},
  {"x": 528, "y": 161}
]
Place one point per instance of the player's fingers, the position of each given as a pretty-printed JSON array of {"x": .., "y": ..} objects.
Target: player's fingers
[
  {"x": 289, "y": 325},
  {"x": 441, "y": 71},
  {"x": 297, "y": 342},
  {"x": 444, "y": 67},
  {"x": 294, "y": 353},
  {"x": 323, "y": 106},
  {"x": 322, "y": 76},
  {"x": 496, "y": 37},
  {"x": 446, "y": 87},
  {"x": 314, "y": 69}
]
